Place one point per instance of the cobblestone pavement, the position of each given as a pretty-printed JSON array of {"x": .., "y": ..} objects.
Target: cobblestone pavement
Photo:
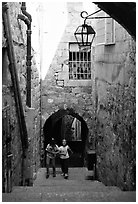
[{"x": 78, "y": 188}]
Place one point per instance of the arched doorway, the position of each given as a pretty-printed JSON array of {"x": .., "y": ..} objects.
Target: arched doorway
[{"x": 67, "y": 124}]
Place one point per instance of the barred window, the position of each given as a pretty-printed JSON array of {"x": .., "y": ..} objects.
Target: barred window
[{"x": 79, "y": 62}]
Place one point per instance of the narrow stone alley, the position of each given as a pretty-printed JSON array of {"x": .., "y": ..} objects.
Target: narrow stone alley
[
  {"x": 78, "y": 188},
  {"x": 68, "y": 76}
]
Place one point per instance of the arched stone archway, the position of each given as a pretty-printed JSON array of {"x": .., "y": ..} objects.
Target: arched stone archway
[{"x": 53, "y": 128}]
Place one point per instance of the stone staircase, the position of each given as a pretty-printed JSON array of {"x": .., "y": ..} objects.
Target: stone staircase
[{"x": 78, "y": 188}]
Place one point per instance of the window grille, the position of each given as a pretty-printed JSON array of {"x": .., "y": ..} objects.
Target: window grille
[{"x": 79, "y": 62}]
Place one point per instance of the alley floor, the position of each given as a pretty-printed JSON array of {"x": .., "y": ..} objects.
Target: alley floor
[{"x": 77, "y": 188}]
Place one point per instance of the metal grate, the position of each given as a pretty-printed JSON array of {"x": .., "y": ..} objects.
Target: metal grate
[{"x": 80, "y": 64}]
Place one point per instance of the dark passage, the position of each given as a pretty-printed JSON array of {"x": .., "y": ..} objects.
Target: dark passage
[{"x": 69, "y": 125}]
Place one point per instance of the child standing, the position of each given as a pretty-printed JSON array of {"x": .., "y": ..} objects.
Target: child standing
[
  {"x": 64, "y": 157},
  {"x": 52, "y": 150}
]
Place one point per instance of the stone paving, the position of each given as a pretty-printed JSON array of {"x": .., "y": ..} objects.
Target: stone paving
[{"x": 78, "y": 188}]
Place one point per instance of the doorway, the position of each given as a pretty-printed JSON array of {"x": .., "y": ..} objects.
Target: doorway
[{"x": 69, "y": 125}]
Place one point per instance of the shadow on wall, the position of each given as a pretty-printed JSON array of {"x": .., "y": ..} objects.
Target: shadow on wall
[{"x": 59, "y": 126}]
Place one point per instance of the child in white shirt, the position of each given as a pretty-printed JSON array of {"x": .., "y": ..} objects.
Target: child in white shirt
[{"x": 64, "y": 157}]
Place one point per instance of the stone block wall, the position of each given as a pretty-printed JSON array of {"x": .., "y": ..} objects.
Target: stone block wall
[
  {"x": 16, "y": 146},
  {"x": 79, "y": 100},
  {"x": 76, "y": 95},
  {"x": 18, "y": 30},
  {"x": 115, "y": 97}
]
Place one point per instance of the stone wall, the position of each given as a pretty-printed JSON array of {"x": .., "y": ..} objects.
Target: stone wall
[
  {"x": 115, "y": 87},
  {"x": 66, "y": 95},
  {"x": 8, "y": 99},
  {"x": 78, "y": 99},
  {"x": 18, "y": 30},
  {"x": 106, "y": 103}
]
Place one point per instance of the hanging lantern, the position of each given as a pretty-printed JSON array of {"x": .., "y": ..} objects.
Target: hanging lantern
[{"x": 84, "y": 35}]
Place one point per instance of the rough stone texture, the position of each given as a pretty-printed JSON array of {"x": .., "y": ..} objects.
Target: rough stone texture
[
  {"x": 103, "y": 104},
  {"x": 115, "y": 129},
  {"x": 78, "y": 188},
  {"x": 8, "y": 99},
  {"x": 18, "y": 30},
  {"x": 61, "y": 99},
  {"x": 75, "y": 95},
  {"x": 107, "y": 103}
]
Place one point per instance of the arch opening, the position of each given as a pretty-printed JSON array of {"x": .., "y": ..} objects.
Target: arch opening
[{"x": 69, "y": 125}]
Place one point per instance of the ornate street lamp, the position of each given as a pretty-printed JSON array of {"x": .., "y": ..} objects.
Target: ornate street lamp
[{"x": 84, "y": 33}]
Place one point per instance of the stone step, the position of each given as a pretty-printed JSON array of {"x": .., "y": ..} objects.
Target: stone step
[
  {"x": 76, "y": 189},
  {"x": 71, "y": 195}
]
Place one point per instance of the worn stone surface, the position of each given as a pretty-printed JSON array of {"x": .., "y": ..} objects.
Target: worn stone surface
[
  {"x": 76, "y": 189},
  {"x": 74, "y": 95},
  {"x": 115, "y": 129},
  {"x": 106, "y": 103},
  {"x": 18, "y": 30},
  {"x": 8, "y": 99},
  {"x": 112, "y": 81}
]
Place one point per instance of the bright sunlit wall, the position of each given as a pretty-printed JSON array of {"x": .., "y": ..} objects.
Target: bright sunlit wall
[{"x": 49, "y": 20}]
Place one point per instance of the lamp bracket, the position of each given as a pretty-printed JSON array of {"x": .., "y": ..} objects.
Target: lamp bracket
[{"x": 90, "y": 16}]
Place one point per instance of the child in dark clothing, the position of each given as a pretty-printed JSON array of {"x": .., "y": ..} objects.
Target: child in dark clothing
[{"x": 52, "y": 150}]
